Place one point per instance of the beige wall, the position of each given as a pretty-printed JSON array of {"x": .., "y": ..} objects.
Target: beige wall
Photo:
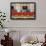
[
  {"x": 40, "y": 14},
  {"x": 26, "y": 25}
]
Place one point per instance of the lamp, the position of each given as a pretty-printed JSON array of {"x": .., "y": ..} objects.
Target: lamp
[{"x": 7, "y": 31}]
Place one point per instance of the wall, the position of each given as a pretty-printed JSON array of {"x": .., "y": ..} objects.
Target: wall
[
  {"x": 27, "y": 26},
  {"x": 40, "y": 15}
]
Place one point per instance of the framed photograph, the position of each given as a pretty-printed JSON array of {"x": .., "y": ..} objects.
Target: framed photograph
[{"x": 23, "y": 10}]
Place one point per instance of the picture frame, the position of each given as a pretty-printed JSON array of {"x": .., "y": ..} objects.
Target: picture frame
[{"x": 23, "y": 10}]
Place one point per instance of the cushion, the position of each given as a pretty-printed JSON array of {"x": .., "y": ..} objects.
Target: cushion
[{"x": 26, "y": 39}]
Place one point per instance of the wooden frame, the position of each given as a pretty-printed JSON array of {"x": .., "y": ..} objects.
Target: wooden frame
[{"x": 19, "y": 10}]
